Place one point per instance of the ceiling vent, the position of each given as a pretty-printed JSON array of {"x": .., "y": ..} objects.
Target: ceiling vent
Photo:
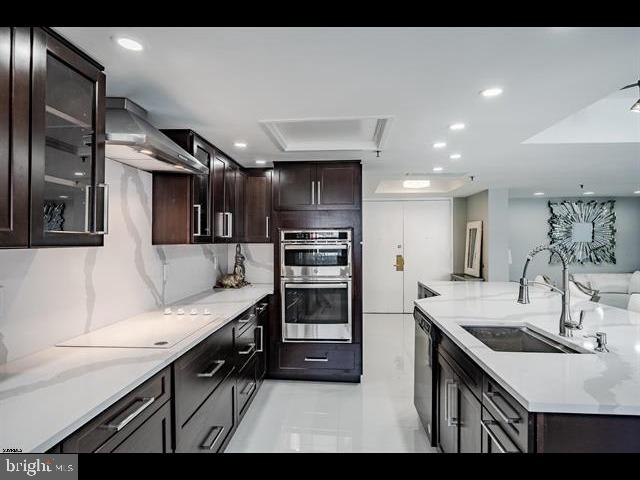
[{"x": 329, "y": 134}]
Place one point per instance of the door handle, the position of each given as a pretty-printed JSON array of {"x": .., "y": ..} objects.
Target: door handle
[
  {"x": 144, "y": 403},
  {"x": 198, "y": 208},
  {"x": 319, "y": 192},
  {"x": 212, "y": 438},
  {"x": 248, "y": 350},
  {"x": 399, "y": 263},
  {"x": 313, "y": 192},
  {"x": 451, "y": 392},
  {"x": 218, "y": 365},
  {"x": 267, "y": 227}
]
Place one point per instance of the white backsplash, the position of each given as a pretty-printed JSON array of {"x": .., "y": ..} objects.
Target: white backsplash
[
  {"x": 258, "y": 263},
  {"x": 49, "y": 295}
]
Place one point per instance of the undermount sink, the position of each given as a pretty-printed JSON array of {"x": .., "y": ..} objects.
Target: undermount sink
[{"x": 517, "y": 339}]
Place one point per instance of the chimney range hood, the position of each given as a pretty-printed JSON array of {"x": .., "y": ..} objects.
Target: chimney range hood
[{"x": 131, "y": 139}]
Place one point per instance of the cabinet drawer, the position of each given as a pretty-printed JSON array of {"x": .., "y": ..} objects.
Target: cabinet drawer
[
  {"x": 303, "y": 356},
  {"x": 199, "y": 372},
  {"x": 512, "y": 417},
  {"x": 209, "y": 427},
  {"x": 247, "y": 383},
  {"x": 494, "y": 439},
  {"x": 153, "y": 436},
  {"x": 464, "y": 367},
  {"x": 246, "y": 346},
  {"x": 122, "y": 418}
]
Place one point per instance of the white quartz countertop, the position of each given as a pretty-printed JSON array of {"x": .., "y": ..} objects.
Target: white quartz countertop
[
  {"x": 594, "y": 383},
  {"x": 46, "y": 396}
]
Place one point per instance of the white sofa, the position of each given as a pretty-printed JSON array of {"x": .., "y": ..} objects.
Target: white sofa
[{"x": 620, "y": 290}]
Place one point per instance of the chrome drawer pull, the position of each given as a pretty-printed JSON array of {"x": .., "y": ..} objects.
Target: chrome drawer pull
[
  {"x": 247, "y": 319},
  {"x": 209, "y": 442},
  {"x": 146, "y": 401},
  {"x": 262, "y": 307},
  {"x": 316, "y": 359},
  {"x": 218, "y": 365},
  {"x": 248, "y": 350},
  {"x": 248, "y": 389},
  {"x": 504, "y": 416},
  {"x": 450, "y": 405},
  {"x": 485, "y": 426}
]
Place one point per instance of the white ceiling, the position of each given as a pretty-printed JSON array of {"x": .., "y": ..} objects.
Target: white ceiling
[{"x": 223, "y": 81}]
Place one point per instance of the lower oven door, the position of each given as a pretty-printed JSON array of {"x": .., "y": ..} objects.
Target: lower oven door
[{"x": 316, "y": 311}]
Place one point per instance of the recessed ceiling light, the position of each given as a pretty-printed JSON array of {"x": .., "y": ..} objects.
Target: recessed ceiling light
[
  {"x": 240, "y": 145},
  {"x": 437, "y": 169},
  {"x": 146, "y": 151},
  {"x": 457, "y": 126},
  {"x": 491, "y": 92},
  {"x": 63, "y": 196},
  {"x": 178, "y": 167},
  {"x": 261, "y": 162},
  {"x": 439, "y": 145},
  {"x": 588, "y": 193},
  {"x": 538, "y": 194},
  {"x": 416, "y": 183},
  {"x": 637, "y": 192},
  {"x": 455, "y": 156},
  {"x": 129, "y": 44},
  {"x": 79, "y": 174}
]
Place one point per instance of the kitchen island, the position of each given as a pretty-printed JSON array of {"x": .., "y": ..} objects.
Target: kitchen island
[{"x": 550, "y": 401}]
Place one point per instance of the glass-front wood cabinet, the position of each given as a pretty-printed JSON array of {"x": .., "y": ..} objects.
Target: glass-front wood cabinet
[{"x": 69, "y": 197}]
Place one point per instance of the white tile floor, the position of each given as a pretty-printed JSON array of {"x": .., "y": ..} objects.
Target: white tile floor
[{"x": 376, "y": 415}]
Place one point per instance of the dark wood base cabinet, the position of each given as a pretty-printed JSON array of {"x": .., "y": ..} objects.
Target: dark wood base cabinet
[
  {"x": 475, "y": 414},
  {"x": 195, "y": 404}
]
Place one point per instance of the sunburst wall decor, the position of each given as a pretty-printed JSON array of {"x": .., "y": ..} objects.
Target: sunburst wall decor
[{"x": 585, "y": 231}]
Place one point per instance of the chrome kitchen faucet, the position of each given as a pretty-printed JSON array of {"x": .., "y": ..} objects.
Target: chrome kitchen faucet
[{"x": 523, "y": 293}]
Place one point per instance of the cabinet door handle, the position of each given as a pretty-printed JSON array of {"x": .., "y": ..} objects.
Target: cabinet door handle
[
  {"x": 218, "y": 364},
  {"x": 488, "y": 398},
  {"x": 261, "y": 347},
  {"x": 313, "y": 193},
  {"x": 146, "y": 401},
  {"x": 319, "y": 193},
  {"x": 248, "y": 389},
  {"x": 267, "y": 227},
  {"x": 212, "y": 438},
  {"x": 229, "y": 224},
  {"x": 247, "y": 319},
  {"x": 198, "y": 219},
  {"x": 316, "y": 359},
  {"x": 451, "y": 405},
  {"x": 248, "y": 350},
  {"x": 105, "y": 210}
]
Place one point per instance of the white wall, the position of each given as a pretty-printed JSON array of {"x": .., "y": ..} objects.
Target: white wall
[
  {"x": 258, "y": 262},
  {"x": 49, "y": 295},
  {"x": 529, "y": 227}
]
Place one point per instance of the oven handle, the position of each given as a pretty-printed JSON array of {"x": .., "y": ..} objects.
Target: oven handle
[
  {"x": 316, "y": 285},
  {"x": 337, "y": 246}
]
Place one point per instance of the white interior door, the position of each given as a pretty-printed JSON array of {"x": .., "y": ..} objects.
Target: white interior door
[
  {"x": 428, "y": 253},
  {"x": 382, "y": 241},
  {"x": 420, "y": 231}
]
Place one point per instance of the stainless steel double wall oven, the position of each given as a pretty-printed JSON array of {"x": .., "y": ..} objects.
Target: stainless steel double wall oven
[{"x": 315, "y": 276}]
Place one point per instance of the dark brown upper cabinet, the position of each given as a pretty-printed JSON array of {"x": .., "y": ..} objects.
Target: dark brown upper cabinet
[
  {"x": 317, "y": 185},
  {"x": 258, "y": 206},
  {"x": 182, "y": 203},
  {"x": 68, "y": 195},
  {"x": 14, "y": 136},
  {"x": 228, "y": 199}
]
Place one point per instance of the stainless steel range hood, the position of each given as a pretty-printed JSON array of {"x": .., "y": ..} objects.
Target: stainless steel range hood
[{"x": 131, "y": 139}]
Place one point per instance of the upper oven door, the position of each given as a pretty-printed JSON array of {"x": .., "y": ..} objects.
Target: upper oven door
[{"x": 315, "y": 260}]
